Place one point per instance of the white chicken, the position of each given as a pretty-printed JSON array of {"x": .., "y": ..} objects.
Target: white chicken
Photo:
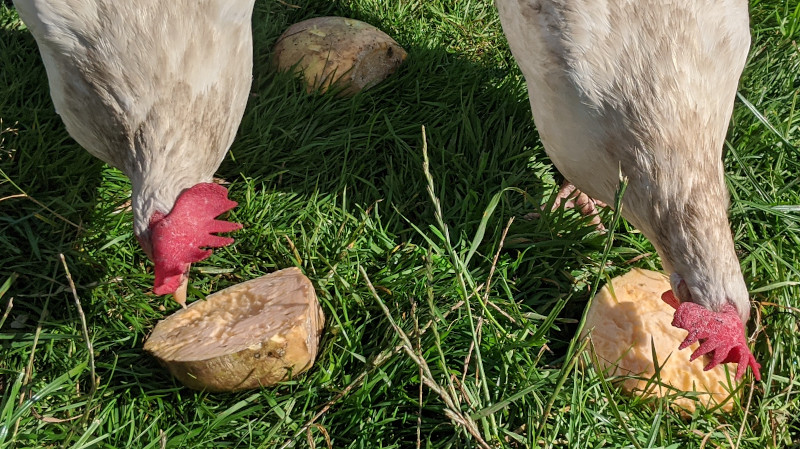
[
  {"x": 645, "y": 89},
  {"x": 157, "y": 89}
]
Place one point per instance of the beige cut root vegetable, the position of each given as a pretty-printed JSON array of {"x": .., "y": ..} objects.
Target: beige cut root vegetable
[
  {"x": 252, "y": 334},
  {"x": 623, "y": 320},
  {"x": 347, "y": 53}
]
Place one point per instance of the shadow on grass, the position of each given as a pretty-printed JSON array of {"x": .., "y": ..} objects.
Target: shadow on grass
[
  {"x": 480, "y": 134},
  {"x": 59, "y": 178}
]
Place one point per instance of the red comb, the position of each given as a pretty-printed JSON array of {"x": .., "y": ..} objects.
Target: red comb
[
  {"x": 721, "y": 334},
  {"x": 179, "y": 237}
]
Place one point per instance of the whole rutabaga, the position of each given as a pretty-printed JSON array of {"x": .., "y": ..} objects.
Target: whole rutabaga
[
  {"x": 157, "y": 89},
  {"x": 645, "y": 89}
]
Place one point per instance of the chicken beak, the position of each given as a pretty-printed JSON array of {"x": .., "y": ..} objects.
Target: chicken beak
[{"x": 180, "y": 294}]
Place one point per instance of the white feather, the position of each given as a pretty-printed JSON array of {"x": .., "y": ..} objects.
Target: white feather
[
  {"x": 643, "y": 88},
  {"x": 156, "y": 88}
]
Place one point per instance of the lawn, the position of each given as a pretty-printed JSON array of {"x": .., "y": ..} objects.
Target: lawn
[{"x": 451, "y": 318}]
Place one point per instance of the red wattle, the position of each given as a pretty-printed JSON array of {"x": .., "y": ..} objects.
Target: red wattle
[
  {"x": 721, "y": 334},
  {"x": 180, "y": 237}
]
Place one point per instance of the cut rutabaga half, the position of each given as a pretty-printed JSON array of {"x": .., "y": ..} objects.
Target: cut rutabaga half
[
  {"x": 252, "y": 334},
  {"x": 348, "y": 53},
  {"x": 623, "y": 321}
]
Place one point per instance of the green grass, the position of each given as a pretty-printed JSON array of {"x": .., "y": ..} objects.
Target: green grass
[{"x": 416, "y": 346}]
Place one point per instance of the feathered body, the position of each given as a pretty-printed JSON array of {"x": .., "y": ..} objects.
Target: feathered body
[
  {"x": 643, "y": 89},
  {"x": 155, "y": 88}
]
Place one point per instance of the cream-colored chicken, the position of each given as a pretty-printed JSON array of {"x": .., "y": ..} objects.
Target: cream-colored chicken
[
  {"x": 645, "y": 89},
  {"x": 157, "y": 89}
]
